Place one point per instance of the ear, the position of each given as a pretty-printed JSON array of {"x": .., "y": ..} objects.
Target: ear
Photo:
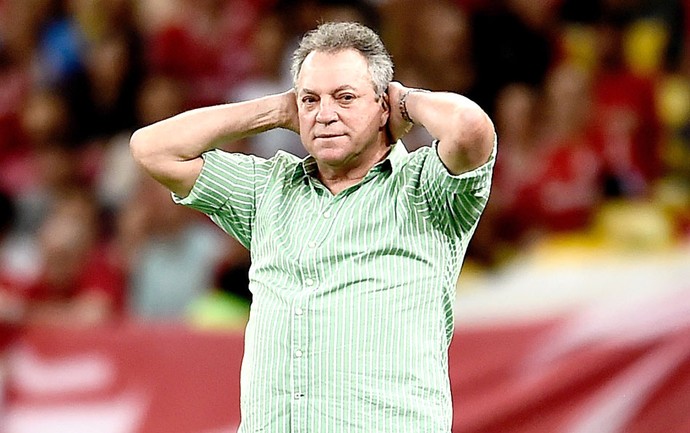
[{"x": 386, "y": 110}]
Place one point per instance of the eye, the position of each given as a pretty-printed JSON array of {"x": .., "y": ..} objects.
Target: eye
[
  {"x": 308, "y": 99},
  {"x": 346, "y": 98}
]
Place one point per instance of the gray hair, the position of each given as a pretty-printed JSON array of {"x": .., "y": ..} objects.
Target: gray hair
[{"x": 336, "y": 36}]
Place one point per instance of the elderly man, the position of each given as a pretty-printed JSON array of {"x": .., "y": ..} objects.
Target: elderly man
[{"x": 355, "y": 250}]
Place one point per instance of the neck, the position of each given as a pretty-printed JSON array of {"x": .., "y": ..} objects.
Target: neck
[{"x": 339, "y": 178}]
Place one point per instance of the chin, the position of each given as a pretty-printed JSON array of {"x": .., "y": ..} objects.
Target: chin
[{"x": 332, "y": 155}]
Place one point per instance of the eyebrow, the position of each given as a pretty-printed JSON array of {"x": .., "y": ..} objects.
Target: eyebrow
[{"x": 337, "y": 89}]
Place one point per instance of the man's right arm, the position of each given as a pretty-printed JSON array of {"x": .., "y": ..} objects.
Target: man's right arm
[{"x": 170, "y": 150}]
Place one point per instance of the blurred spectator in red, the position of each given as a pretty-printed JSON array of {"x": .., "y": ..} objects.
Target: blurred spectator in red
[
  {"x": 53, "y": 164},
  {"x": 501, "y": 226},
  {"x": 548, "y": 175},
  {"x": 19, "y": 26},
  {"x": 44, "y": 167},
  {"x": 269, "y": 75},
  {"x": 206, "y": 46},
  {"x": 79, "y": 281},
  {"x": 566, "y": 182},
  {"x": 625, "y": 117}
]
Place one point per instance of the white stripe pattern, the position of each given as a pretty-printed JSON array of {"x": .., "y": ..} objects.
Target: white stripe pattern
[{"x": 352, "y": 310}]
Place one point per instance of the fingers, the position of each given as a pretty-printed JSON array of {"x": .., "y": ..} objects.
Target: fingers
[
  {"x": 395, "y": 91},
  {"x": 397, "y": 126},
  {"x": 291, "y": 117}
]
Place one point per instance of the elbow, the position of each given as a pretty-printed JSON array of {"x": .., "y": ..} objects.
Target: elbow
[
  {"x": 474, "y": 137},
  {"x": 140, "y": 146},
  {"x": 149, "y": 150}
]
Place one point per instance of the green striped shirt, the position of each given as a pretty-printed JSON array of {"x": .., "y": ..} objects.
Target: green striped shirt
[{"x": 352, "y": 310}]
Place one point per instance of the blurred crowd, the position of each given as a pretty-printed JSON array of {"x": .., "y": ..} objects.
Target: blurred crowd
[{"x": 591, "y": 101}]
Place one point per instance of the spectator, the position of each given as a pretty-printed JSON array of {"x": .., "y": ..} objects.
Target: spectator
[
  {"x": 103, "y": 97},
  {"x": 206, "y": 46},
  {"x": 269, "y": 75},
  {"x": 565, "y": 186},
  {"x": 626, "y": 119},
  {"x": 80, "y": 282},
  {"x": 18, "y": 34},
  {"x": 117, "y": 177},
  {"x": 438, "y": 57},
  {"x": 499, "y": 233},
  {"x": 52, "y": 163},
  {"x": 173, "y": 255},
  {"x": 548, "y": 178}
]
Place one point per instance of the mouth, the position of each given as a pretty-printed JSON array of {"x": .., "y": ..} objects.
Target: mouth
[{"x": 326, "y": 136}]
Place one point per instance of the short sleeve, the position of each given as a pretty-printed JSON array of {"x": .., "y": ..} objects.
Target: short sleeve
[
  {"x": 226, "y": 191},
  {"x": 456, "y": 201}
]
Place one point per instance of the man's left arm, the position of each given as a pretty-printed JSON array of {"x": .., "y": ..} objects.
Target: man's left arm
[{"x": 464, "y": 131}]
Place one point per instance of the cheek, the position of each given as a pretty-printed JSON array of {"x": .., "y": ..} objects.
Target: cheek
[
  {"x": 304, "y": 137},
  {"x": 305, "y": 126},
  {"x": 306, "y": 120}
]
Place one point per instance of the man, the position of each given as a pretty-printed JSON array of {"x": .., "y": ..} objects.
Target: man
[{"x": 355, "y": 250}]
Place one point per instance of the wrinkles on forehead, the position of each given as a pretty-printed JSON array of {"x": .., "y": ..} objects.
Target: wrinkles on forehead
[{"x": 326, "y": 71}]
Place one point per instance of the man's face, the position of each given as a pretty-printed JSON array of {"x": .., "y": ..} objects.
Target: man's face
[{"x": 341, "y": 119}]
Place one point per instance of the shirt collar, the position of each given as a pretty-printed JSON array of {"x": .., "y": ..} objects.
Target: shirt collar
[
  {"x": 393, "y": 162},
  {"x": 397, "y": 155}
]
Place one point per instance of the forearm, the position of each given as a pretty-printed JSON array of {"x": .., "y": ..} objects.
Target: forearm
[
  {"x": 464, "y": 131},
  {"x": 170, "y": 149},
  {"x": 187, "y": 135}
]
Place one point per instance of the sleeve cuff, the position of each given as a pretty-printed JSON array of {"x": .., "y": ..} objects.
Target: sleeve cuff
[{"x": 471, "y": 180}]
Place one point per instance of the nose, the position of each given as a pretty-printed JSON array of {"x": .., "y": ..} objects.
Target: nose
[{"x": 327, "y": 111}]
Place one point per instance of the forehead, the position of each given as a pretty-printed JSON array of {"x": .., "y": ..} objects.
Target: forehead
[{"x": 323, "y": 71}]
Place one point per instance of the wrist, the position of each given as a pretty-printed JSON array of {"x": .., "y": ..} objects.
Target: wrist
[
  {"x": 288, "y": 111},
  {"x": 402, "y": 105}
]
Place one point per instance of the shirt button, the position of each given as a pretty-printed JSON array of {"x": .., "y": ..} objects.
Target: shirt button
[
  {"x": 327, "y": 214},
  {"x": 311, "y": 244},
  {"x": 299, "y": 311},
  {"x": 298, "y": 395},
  {"x": 309, "y": 282},
  {"x": 298, "y": 353}
]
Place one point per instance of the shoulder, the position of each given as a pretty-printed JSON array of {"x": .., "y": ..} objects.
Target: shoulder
[
  {"x": 426, "y": 165},
  {"x": 220, "y": 160}
]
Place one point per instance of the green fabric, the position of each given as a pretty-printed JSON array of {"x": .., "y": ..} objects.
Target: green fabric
[{"x": 353, "y": 294}]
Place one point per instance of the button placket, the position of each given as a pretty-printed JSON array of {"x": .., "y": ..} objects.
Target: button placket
[{"x": 299, "y": 350}]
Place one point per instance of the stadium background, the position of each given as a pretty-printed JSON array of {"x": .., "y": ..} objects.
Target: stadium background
[{"x": 120, "y": 312}]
